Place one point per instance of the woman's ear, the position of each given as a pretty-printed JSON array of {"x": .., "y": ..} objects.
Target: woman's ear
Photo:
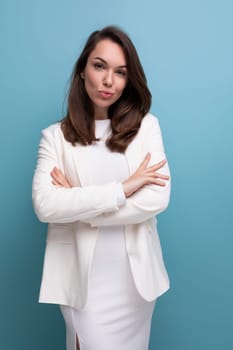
[{"x": 82, "y": 75}]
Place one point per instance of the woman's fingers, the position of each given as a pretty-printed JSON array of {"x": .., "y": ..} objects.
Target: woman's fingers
[
  {"x": 151, "y": 172},
  {"x": 154, "y": 167},
  {"x": 58, "y": 179},
  {"x": 152, "y": 180},
  {"x": 145, "y": 175},
  {"x": 145, "y": 161},
  {"x": 162, "y": 176},
  {"x": 55, "y": 183},
  {"x": 56, "y": 175},
  {"x": 158, "y": 165}
]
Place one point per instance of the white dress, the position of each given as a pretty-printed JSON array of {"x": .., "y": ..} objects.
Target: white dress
[{"x": 115, "y": 315}]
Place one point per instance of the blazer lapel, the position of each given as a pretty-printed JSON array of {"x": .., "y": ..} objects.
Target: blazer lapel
[
  {"x": 76, "y": 165},
  {"x": 81, "y": 165}
]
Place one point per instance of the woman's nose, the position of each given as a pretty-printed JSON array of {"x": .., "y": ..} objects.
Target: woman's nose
[{"x": 108, "y": 79}]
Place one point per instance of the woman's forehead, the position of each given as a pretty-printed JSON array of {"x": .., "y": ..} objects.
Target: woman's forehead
[{"x": 110, "y": 52}]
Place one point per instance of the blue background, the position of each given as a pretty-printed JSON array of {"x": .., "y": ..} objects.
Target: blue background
[{"x": 186, "y": 49}]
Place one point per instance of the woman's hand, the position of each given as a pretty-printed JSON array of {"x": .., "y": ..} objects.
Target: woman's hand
[
  {"x": 58, "y": 179},
  {"x": 145, "y": 175}
]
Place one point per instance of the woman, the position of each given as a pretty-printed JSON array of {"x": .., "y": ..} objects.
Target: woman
[{"x": 101, "y": 178}]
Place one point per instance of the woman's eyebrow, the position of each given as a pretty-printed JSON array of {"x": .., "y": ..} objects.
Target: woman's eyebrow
[{"x": 102, "y": 60}]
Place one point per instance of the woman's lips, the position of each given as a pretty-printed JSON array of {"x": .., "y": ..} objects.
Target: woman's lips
[{"x": 105, "y": 94}]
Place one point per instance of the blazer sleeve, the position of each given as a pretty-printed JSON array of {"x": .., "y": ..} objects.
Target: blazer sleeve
[
  {"x": 63, "y": 205},
  {"x": 150, "y": 200}
]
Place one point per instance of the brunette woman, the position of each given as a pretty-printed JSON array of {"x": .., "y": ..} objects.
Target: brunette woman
[{"x": 101, "y": 178}]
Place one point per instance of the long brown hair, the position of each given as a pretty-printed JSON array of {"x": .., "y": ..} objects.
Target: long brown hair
[{"x": 126, "y": 113}]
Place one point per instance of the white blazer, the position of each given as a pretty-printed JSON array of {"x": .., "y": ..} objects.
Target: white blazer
[{"x": 75, "y": 214}]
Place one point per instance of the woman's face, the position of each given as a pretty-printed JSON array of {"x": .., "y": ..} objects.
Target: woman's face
[{"x": 105, "y": 76}]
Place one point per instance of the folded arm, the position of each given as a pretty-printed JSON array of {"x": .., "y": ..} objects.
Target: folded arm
[
  {"x": 55, "y": 200},
  {"x": 150, "y": 199},
  {"x": 55, "y": 204}
]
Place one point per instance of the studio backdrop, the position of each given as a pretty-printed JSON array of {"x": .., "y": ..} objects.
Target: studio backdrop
[{"x": 186, "y": 49}]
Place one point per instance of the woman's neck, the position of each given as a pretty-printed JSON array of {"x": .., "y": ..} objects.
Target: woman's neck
[
  {"x": 101, "y": 117},
  {"x": 101, "y": 113}
]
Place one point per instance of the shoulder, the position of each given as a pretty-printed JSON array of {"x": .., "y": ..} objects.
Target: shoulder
[
  {"x": 53, "y": 131},
  {"x": 52, "y": 136},
  {"x": 149, "y": 129},
  {"x": 148, "y": 122},
  {"x": 53, "y": 128}
]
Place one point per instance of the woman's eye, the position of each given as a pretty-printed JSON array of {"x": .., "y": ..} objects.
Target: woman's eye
[
  {"x": 121, "y": 72},
  {"x": 98, "y": 65}
]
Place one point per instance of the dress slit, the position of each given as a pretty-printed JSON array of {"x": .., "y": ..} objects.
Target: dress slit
[{"x": 71, "y": 334}]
